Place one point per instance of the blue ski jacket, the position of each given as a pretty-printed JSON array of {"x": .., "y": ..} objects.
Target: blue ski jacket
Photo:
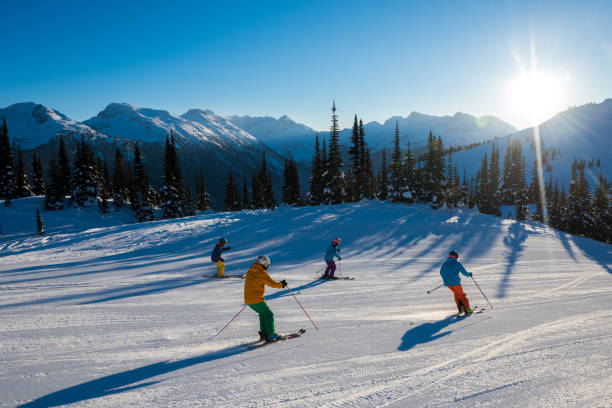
[
  {"x": 450, "y": 272},
  {"x": 216, "y": 253},
  {"x": 332, "y": 251}
]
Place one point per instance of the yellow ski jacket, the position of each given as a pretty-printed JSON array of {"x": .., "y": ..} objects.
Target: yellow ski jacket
[{"x": 254, "y": 284}]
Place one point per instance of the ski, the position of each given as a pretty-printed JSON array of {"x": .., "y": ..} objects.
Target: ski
[
  {"x": 339, "y": 278},
  {"x": 282, "y": 338},
  {"x": 237, "y": 276}
]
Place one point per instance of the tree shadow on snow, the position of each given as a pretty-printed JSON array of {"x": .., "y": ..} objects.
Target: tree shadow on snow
[
  {"x": 514, "y": 241},
  {"x": 426, "y": 332},
  {"x": 598, "y": 252},
  {"x": 116, "y": 293},
  {"x": 126, "y": 380}
]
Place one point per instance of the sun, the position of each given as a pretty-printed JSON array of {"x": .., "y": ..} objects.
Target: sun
[{"x": 536, "y": 96}]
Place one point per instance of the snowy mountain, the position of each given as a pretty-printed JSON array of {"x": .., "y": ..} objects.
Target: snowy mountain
[
  {"x": 582, "y": 132},
  {"x": 118, "y": 315},
  {"x": 283, "y": 134},
  {"x": 31, "y": 125},
  {"x": 205, "y": 141}
]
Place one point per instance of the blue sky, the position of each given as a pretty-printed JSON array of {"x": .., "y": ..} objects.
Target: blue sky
[{"x": 374, "y": 58}]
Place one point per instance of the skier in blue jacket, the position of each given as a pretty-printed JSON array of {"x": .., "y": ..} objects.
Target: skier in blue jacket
[
  {"x": 450, "y": 276},
  {"x": 216, "y": 257},
  {"x": 332, "y": 252}
]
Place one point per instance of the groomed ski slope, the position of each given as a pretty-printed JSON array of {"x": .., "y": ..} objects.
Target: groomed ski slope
[{"x": 118, "y": 316}]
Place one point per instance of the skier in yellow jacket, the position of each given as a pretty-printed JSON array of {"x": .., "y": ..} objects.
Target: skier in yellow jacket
[{"x": 254, "y": 287}]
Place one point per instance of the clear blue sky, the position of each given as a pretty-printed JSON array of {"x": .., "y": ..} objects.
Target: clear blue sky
[{"x": 375, "y": 58}]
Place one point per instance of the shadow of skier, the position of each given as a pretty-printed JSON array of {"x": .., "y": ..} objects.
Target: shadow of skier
[
  {"x": 126, "y": 380},
  {"x": 425, "y": 333}
]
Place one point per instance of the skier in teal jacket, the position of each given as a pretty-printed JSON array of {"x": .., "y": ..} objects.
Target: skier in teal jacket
[
  {"x": 450, "y": 276},
  {"x": 332, "y": 252}
]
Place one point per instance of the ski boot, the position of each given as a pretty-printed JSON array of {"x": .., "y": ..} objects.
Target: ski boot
[
  {"x": 262, "y": 337},
  {"x": 460, "y": 310},
  {"x": 325, "y": 276},
  {"x": 272, "y": 337},
  {"x": 468, "y": 311}
]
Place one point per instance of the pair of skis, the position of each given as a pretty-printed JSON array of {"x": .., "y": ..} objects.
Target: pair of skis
[
  {"x": 281, "y": 338},
  {"x": 236, "y": 276},
  {"x": 475, "y": 310}
]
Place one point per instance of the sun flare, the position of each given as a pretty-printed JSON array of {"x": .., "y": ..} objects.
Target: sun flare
[{"x": 536, "y": 95}]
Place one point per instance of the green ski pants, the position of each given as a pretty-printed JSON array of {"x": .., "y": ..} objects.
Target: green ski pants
[{"x": 266, "y": 318}]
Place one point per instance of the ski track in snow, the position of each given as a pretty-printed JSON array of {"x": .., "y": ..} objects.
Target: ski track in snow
[{"x": 119, "y": 316}]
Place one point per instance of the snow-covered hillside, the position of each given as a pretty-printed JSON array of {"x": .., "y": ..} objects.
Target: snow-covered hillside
[
  {"x": 119, "y": 316},
  {"x": 31, "y": 125},
  {"x": 582, "y": 132}
]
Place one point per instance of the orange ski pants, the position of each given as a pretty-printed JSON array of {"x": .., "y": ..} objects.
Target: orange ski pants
[{"x": 460, "y": 296}]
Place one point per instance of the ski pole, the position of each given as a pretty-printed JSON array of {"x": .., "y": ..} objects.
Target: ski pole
[
  {"x": 231, "y": 320},
  {"x": 298, "y": 302},
  {"x": 437, "y": 287},
  {"x": 340, "y": 267},
  {"x": 485, "y": 296}
]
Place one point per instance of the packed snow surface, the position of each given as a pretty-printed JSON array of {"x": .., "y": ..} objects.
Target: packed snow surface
[{"x": 120, "y": 316}]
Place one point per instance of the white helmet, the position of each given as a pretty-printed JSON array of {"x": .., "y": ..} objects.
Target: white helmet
[{"x": 264, "y": 261}]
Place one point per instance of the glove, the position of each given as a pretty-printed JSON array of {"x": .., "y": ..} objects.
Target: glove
[
  {"x": 284, "y": 282},
  {"x": 471, "y": 274},
  {"x": 229, "y": 248},
  {"x": 339, "y": 259},
  {"x": 222, "y": 260}
]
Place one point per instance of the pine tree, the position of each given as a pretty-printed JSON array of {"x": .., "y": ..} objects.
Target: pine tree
[
  {"x": 141, "y": 197},
  {"x": 355, "y": 154},
  {"x": 291, "y": 183},
  {"x": 482, "y": 180},
  {"x": 409, "y": 175},
  {"x": 231, "y": 202},
  {"x": 439, "y": 177},
  {"x": 173, "y": 191},
  {"x": 106, "y": 187},
  {"x": 602, "y": 212},
  {"x": 7, "y": 166},
  {"x": 492, "y": 189},
  {"x": 121, "y": 180},
  {"x": 315, "y": 195},
  {"x": 266, "y": 184},
  {"x": 397, "y": 171},
  {"x": 38, "y": 178},
  {"x": 65, "y": 187},
  {"x": 506, "y": 190},
  {"x": 85, "y": 179},
  {"x": 39, "y": 224},
  {"x": 202, "y": 197},
  {"x": 336, "y": 183},
  {"x": 54, "y": 198},
  {"x": 22, "y": 186},
  {"x": 383, "y": 179},
  {"x": 258, "y": 194},
  {"x": 521, "y": 194},
  {"x": 370, "y": 192}
]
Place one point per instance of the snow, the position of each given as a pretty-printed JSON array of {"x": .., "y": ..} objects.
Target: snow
[
  {"x": 31, "y": 125},
  {"x": 117, "y": 315}
]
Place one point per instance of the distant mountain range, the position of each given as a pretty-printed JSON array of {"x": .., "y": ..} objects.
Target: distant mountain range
[
  {"x": 297, "y": 140},
  {"x": 205, "y": 141},
  {"x": 218, "y": 145}
]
